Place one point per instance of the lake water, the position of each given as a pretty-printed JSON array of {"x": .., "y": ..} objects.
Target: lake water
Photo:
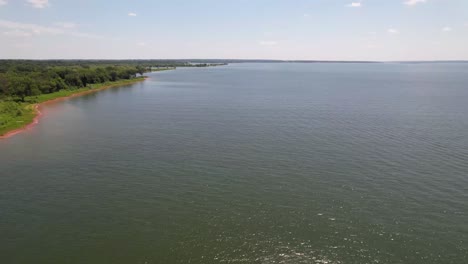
[{"x": 246, "y": 163}]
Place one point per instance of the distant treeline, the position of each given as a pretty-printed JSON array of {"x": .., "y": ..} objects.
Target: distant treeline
[
  {"x": 22, "y": 78},
  {"x": 7, "y": 64},
  {"x": 25, "y": 80}
]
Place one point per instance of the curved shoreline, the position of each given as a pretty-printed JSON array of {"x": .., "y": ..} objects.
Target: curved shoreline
[{"x": 38, "y": 113}]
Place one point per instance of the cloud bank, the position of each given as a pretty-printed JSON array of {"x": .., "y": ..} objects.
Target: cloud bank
[
  {"x": 414, "y": 2},
  {"x": 39, "y": 3}
]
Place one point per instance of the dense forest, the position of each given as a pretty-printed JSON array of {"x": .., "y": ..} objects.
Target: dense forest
[
  {"x": 20, "y": 82},
  {"x": 19, "y": 79},
  {"x": 22, "y": 78}
]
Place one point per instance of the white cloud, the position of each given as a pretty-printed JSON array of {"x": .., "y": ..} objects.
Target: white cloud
[
  {"x": 3, "y": 2},
  {"x": 447, "y": 29},
  {"x": 65, "y": 24},
  {"x": 393, "y": 31},
  {"x": 17, "y": 33},
  {"x": 414, "y": 2},
  {"x": 268, "y": 43},
  {"x": 132, "y": 14},
  {"x": 141, "y": 44},
  {"x": 17, "y": 28},
  {"x": 355, "y": 4},
  {"x": 84, "y": 35},
  {"x": 38, "y": 3},
  {"x": 37, "y": 29}
]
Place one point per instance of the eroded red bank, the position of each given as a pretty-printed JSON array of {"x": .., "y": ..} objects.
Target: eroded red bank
[{"x": 35, "y": 121}]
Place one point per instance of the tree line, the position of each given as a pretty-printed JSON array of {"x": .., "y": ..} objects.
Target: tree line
[
  {"x": 20, "y": 80},
  {"x": 23, "y": 78}
]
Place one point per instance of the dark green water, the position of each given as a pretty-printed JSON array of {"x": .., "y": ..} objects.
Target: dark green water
[{"x": 249, "y": 163}]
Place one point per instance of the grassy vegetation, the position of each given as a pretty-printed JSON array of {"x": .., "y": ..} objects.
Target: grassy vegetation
[{"x": 15, "y": 114}]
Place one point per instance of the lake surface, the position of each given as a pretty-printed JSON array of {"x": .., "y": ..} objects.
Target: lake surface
[{"x": 247, "y": 163}]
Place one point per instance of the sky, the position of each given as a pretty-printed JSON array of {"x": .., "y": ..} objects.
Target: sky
[{"x": 377, "y": 30}]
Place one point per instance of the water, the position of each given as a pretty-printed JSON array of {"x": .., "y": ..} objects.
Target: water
[{"x": 248, "y": 163}]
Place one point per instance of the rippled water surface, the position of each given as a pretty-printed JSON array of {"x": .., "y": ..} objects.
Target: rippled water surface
[{"x": 248, "y": 163}]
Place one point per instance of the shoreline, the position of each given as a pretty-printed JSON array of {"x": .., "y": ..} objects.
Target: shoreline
[{"x": 37, "y": 112}]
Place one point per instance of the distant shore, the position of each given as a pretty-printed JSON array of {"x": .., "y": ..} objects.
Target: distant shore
[{"x": 34, "y": 114}]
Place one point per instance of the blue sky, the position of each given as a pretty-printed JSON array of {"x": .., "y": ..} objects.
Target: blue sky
[{"x": 383, "y": 30}]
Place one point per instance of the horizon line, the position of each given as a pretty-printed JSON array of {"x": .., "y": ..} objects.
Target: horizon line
[{"x": 251, "y": 60}]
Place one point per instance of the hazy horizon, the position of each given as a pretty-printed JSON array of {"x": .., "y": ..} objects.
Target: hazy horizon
[
  {"x": 229, "y": 60},
  {"x": 319, "y": 30}
]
